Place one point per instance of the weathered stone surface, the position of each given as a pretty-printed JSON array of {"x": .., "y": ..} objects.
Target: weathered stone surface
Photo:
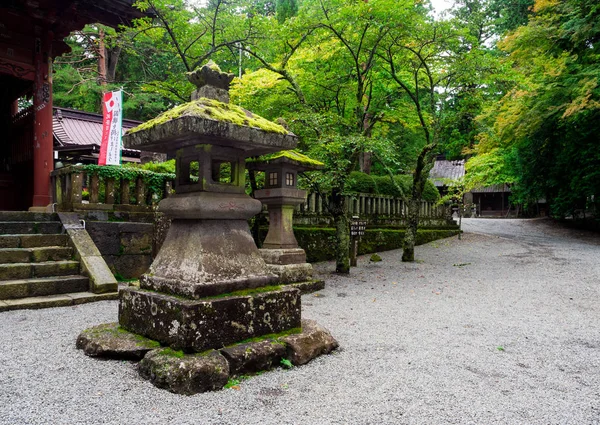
[
  {"x": 201, "y": 258},
  {"x": 283, "y": 256},
  {"x": 101, "y": 278},
  {"x": 210, "y": 206},
  {"x": 128, "y": 266},
  {"x": 309, "y": 286},
  {"x": 291, "y": 273},
  {"x": 185, "y": 374},
  {"x": 113, "y": 238},
  {"x": 254, "y": 356},
  {"x": 198, "y": 325},
  {"x": 92, "y": 263},
  {"x": 314, "y": 341},
  {"x": 112, "y": 341}
]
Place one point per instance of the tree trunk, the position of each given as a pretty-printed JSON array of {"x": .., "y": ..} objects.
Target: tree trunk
[
  {"x": 112, "y": 59},
  {"x": 365, "y": 161},
  {"x": 424, "y": 163},
  {"x": 410, "y": 238},
  {"x": 101, "y": 58},
  {"x": 342, "y": 231}
]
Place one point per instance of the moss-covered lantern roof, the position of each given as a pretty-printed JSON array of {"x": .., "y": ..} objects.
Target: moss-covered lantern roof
[
  {"x": 288, "y": 157},
  {"x": 209, "y": 121}
]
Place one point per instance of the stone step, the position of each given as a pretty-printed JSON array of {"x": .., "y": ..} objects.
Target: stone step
[
  {"x": 32, "y": 241},
  {"x": 44, "y": 269},
  {"x": 27, "y": 216},
  {"x": 35, "y": 255},
  {"x": 22, "y": 288},
  {"x": 30, "y": 227},
  {"x": 61, "y": 300}
]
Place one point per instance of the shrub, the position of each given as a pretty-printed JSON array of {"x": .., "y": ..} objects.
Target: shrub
[
  {"x": 361, "y": 183},
  {"x": 382, "y": 185}
]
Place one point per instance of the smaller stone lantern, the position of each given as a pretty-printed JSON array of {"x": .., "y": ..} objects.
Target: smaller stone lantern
[{"x": 281, "y": 195}]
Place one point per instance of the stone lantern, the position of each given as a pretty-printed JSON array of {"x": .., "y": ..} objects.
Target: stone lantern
[
  {"x": 208, "y": 291},
  {"x": 208, "y": 250},
  {"x": 281, "y": 195}
]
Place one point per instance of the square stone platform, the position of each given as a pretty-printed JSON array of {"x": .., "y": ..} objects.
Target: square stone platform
[{"x": 198, "y": 325}]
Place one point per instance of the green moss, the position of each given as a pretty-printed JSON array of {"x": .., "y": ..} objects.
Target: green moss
[
  {"x": 211, "y": 109},
  {"x": 375, "y": 258},
  {"x": 172, "y": 353},
  {"x": 118, "y": 330},
  {"x": 274, "y": 338},
  {"x": 292, "y": 155},
  {"x": 246, "y": 292}
]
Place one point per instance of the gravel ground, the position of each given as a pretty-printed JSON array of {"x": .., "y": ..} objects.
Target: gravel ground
[{"x": 502, "y": 326}]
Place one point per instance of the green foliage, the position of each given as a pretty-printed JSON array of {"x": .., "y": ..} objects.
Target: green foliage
[
  {"x": 155, "y": 182},
  {"x": 286, "y": 363},
  {"x": 319, "y": 242},
  {"x": 382, "y": 185},
  {"x": 542, "y": 135},
  {"x": 286, "y": 9},
  {"x": 361, "y": 183}
]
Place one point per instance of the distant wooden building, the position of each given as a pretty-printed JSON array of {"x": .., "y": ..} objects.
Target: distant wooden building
[
  {"x": 31, "y": 36},
  {"x": 492, "y": 201},
  {"x": 77, "y": 137}
]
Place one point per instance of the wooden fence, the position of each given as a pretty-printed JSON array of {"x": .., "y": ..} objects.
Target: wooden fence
[{"x": 130, "y": 193}]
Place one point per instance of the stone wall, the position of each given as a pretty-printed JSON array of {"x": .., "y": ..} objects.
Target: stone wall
[
  {"x": 319, "y": 242},
  {"x": 125, "y": 246},
  {"x": 128, "y": 247}
]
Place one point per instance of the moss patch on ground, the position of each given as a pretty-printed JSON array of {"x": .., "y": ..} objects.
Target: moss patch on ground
[{"x": 211, "y": 109}]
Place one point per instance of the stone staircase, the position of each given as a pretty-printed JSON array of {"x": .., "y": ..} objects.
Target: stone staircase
[{"x": 38, "y": 268}]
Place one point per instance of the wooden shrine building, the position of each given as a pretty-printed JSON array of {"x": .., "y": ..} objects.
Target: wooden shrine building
[{"x": 31, "y": 36}]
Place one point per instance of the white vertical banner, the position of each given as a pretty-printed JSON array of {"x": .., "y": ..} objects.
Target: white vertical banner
[{"x": 112, "y": 129}]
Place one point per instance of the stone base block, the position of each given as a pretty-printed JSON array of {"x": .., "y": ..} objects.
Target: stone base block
[
  {"x": 199, "y": 325},
  {"x": 314, "y": 341},
  {"x": 113, "y": 342},
  {"x": 309, "y": 286},
  {"x": 254, "y": 357},
  {"x": 185, "y": 374},
  {"x": 291, "y": 273},
  {"x": 208, "y": 371},
  {"x": 283, "y": 256}
]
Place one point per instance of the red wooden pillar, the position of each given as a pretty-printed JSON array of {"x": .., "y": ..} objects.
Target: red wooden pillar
[{"x": 43, "y": 160}]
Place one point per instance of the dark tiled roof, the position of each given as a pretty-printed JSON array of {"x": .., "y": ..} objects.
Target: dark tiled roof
[
  {"x": 78, "y": 128},
  {"x": 492, "y": 189},
  {"x": 446, "y": 170}
]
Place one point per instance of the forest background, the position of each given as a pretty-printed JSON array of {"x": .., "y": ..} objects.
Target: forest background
[{"x": 379, "y": 86}]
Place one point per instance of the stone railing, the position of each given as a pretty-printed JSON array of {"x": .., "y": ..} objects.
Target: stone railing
[
  {"x": 378, "y": 209},
  {"x": 113, "y": 188}
]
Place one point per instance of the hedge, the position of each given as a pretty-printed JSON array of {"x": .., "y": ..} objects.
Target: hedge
[{"x": 319, "y": 242}]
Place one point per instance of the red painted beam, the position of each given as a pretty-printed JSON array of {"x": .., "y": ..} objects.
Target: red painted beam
[{"x": 43, "y": 161}]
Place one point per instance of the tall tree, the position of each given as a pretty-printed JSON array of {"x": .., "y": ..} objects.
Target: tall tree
[{"x": 545, "y": 129}]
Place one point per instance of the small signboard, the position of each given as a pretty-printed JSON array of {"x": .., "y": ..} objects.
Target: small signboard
[{"x": 357, "y": 227}]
